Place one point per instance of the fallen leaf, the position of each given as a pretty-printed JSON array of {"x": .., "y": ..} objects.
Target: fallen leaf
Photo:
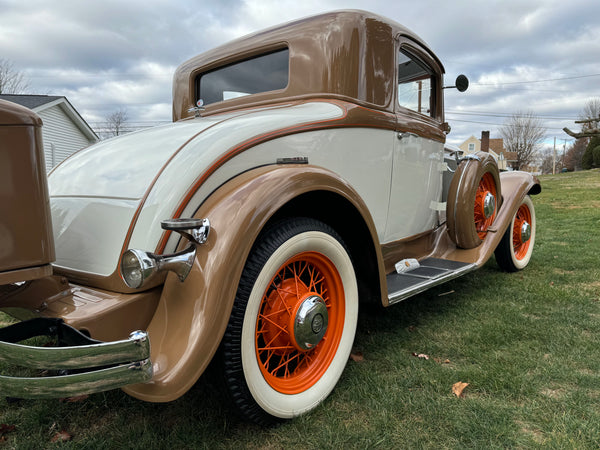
[
  {"x": 75, "y": 398},
  {"x": 411, "y": 328},
  {"x": 4, "y": 428},
  {"x": 61, "y": 436},
  {"x": 357, "y": 356},
  {"x": 441, "y": 361},
  {"x": 421, "y": 355},
  {"x": 458, "y": 388}
]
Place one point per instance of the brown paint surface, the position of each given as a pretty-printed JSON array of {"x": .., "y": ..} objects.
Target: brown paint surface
[{"x": 26, "y": 240}]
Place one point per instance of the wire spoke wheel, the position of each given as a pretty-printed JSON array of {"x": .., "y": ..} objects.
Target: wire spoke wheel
[
  {"x": 516, "y": 247},
  {"x": 485, "y": 205},
  {"x": 293, "y": 321},
  {"x": 286, "y": 364},
  {"x": 521, "y": 243},
  {"x": 474, "y": 199}
]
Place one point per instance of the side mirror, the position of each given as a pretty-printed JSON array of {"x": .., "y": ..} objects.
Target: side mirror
[{"x": 462, "y": 83}]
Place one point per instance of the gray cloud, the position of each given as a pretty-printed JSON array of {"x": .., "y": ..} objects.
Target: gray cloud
[{"x": 111, "y": 54}]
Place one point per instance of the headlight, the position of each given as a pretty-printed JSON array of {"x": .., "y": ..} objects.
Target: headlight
[{"x": 138, "y": 267}]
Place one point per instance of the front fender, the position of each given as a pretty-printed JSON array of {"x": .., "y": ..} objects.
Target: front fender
[{"x": 192, "y": 316}]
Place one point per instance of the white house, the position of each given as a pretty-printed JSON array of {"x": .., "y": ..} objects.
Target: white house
[
  {"x": 494, "y": 147},
  {"x": 64, "y": 131}
]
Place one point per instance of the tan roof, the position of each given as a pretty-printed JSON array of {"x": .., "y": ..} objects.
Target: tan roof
[
  {"x": 343, "y": 54},
  {"x": 497, "y": 145}
]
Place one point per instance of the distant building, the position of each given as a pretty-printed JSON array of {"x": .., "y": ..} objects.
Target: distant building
[
  {"x": 64, "y": 131},
  {"x": 494, "y": 147}
]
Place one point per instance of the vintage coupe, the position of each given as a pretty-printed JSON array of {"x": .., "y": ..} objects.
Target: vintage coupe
[{"x": 305, "y": 170}]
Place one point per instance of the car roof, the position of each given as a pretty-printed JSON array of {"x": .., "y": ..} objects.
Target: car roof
[{"x": 342, "y": 54}]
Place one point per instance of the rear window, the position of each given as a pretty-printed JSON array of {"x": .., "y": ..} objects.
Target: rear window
[{"x": 268, "y": 72}]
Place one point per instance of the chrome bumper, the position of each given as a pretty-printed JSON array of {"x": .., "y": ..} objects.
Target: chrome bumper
[{"x": 93, "y": 366}]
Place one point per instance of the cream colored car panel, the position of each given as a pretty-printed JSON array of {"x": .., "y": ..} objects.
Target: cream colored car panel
[{"x": 416, "y": 186}]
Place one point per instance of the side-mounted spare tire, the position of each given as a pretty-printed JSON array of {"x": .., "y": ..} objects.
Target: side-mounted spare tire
[
  {"x": 473, "y": 200},
  {"x": 293, "y": 321}
]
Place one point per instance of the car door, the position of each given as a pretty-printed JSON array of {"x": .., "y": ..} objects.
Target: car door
[{"x": 416, "y": 188}]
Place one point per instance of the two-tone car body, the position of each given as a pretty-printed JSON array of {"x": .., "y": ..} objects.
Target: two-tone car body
[{"x": 304, "y": 171}]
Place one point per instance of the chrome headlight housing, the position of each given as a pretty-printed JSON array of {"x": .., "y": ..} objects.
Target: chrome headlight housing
[{"x": 139, "y": 268}]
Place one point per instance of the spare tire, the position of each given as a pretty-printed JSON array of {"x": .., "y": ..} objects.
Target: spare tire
[{"x": 474, "y": 198}]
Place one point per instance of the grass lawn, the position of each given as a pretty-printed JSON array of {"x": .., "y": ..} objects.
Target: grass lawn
[{"x": 527, "y": 344}]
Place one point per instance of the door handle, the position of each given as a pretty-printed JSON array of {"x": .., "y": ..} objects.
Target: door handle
[{"x": 407, "y": 134}]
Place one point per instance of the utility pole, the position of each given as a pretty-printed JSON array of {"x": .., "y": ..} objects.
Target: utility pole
[{"x": 554, "y": 158}]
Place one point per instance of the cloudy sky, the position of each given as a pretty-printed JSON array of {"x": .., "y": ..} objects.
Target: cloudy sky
[{"x": 536, "y": 55}]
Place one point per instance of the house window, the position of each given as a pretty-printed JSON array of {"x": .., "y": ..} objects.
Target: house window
[
  {"x": 268, "y": 72},
  {"x": 471, "y": 148},
  {"x": 415, "y": 81}
]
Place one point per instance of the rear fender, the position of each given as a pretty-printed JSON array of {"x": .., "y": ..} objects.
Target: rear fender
[{"x": 192, "y": 316}]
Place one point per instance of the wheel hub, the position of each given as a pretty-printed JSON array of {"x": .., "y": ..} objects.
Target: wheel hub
[
  {"x": 489, "y": 205},
  {"x": 525, "y": 231},
  {"x": 310, "y": 322}
]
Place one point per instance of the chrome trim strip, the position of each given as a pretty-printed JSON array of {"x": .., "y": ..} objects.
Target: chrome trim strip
[
  {"x": 396, "y": 297},
  {"x": 77, "y": 384},
  {"x": 136, "y": 348}
]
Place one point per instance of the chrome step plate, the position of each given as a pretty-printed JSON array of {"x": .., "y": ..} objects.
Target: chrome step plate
[{"x": 432, "y": 272}]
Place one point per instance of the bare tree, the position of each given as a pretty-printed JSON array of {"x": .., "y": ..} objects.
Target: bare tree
[
  {"x": 523, "y": 134},
  {"x": 12, "y": 81},
  {"x": 574, "y": 154},
  {"x": 115, "y": 122},
  {"x": 548, "y": 163},
  {"x": 589, "y": 120},
  {"x": 590, "y": 114}
]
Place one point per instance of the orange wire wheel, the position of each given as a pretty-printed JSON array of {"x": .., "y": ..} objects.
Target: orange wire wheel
[
  {"x": 293, "y": 321},
  {"x": 485, "y": 204},
  {"x": 521, "y": 234},
  {"x": 473, "y": 200},
  {"x": 516, "y": 247},
  {"x": 300, "y": 323}
]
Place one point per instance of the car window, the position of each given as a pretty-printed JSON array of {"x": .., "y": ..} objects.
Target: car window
[
  {"x": 268, "y": 72},
  {"x": 414, "y": 84}
]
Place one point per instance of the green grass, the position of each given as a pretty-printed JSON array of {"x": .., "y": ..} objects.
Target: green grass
[{"x": 528, "y": 344}]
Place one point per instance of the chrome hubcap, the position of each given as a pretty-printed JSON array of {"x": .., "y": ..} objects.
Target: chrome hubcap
[
  {"x": 489, "y": 205},
  {"x": 525, "y": 232},
  {"x": 310, "y": 323}
]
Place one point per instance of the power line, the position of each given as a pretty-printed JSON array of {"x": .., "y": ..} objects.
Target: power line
[
  {"x": 537, "y": 81},
  {"x": 497, "y": 124},
  {"x": 505, "y": 115}
]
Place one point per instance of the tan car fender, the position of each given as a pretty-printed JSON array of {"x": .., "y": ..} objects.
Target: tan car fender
[{"x": 192, "y": 316}]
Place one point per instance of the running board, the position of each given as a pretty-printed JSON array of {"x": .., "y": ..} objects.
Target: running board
[{"x": 432, "y": 272}]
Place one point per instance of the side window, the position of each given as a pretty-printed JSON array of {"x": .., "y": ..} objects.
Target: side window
[
  {"x": 262, "y": 73},
  {"x": 415, "y": 84}
]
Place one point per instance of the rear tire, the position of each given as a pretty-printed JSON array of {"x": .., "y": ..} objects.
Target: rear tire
[
  {"x": 514, "y": 252},
  {"x": 280, "y": 361}
]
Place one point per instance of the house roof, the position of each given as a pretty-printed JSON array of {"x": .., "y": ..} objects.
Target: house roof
[
  {"x": 39, "y": 103},
  {"x": 30, "y": 101},
  {"x": 497, "y": 145}
]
